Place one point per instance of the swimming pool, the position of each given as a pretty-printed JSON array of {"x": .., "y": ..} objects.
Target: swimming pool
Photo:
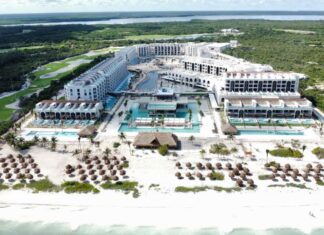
[
  {"x": 271, "y": 132},
  {"x": 50, "y": 134}
]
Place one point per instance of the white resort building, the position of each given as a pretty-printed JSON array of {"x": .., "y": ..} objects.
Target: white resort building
[{"x": 68, "y": 110}]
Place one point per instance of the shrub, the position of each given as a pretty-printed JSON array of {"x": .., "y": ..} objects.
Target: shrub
[
  {"x": 116, "y": 144},
  {"x": 43, "y": 186},
  {"x": 319, "y": 152},
  {"x": 163, "y": 150},
  {"x": 265, "y": 177},
  {"x": 125, "y": 186},
  {"x": 217, "y": 176},
  {"x": 3, "y": 187},
  {"x": 182, "y": 189},
  {"x": 77, "y": 187},
  {"x": 18, "y": 186},
  {"x": 286, "y": 152}
]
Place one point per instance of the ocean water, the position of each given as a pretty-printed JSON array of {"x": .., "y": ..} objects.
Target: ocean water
[{"x": 13, "y": 228}]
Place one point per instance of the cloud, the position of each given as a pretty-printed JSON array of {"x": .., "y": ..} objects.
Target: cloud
[{"x": 21, "y": 6}]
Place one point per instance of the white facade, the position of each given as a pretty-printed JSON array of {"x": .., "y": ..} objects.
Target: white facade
[{"x": 68, "y": 110}]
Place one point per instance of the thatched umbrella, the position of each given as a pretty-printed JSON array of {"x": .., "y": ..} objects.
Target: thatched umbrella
[
  {"x": 98, "y": 162},
  {"x": 219, "y": 166},
  {"x": 2, "y": 160},
  {"x": 105, "y": 178},
  {"x": 88, "y": 162},
  {"x": 105, "y": 158},
  {"x": 243, "y": 176},
  {"x": 95, "y": 158},
  {"x": 199, "y": 175},
  {"x": 228, "y": 166},
  {"x": 274, "y": 170},
  {"x": 317, "y": 177},
  {"x": 92, "y": 172},
  {"x": 28, "y": 156},
  {"x": 113, "y": 172},
  {"x": 239, "y": 183},
  {"x": 102, "y": 172},
  {"x": 6, "y": 170},
  {"x": 124, "y": 158},
  {"x": 27, "y": 171},
  {"x": 68, "y": 167},
  {"x": 294, "y": 176},
  {"x": 16, "y": 171},
  {"x": 99, "y": 167},
  {"x": 9, "y": 156},
  {"x": 8, "y": 176},
  {"x": 319, "y": 166},
  {"x": 37, "y": 170},
  {"x": 30, "y": 176},
  {"x": 31, "y": 161},
  {"x": 250, "y": 182},
  {"x": 81, "y": 172},
  {"x": 178, "y": 164},
  {"x": 107, "y": 162},
  {"x": 89, "y": 167},
  {"x": 94, "y": 177},
  {"x": 83, "y": 177},
  {"x": 178, "y": 174},
  {"x": 110, "y": 167},
  {"x": 79, "y": 167},
  {"x": 116, "y": 162},
  {"x": 288, "y": 167},
  {"x": 246, "y": 170},
  {"x": 296, "y": 171},
  {"x": 309, "y": 166},
  {"x": 236, "y": 171},
  {"x": 188, "y": 164},
  {"x": 22, "y": 160},
  {"x": 67, "y": 171},
  {"x": 120, "y": 167},
  {"x": 20, "y": 176},
  {"x": 3, "y": 165},
  {"x": 115, "y": 178},
  {"x": 199, "y": 165},
  {"x": 34, "y": 165},
  {"x": 122, "y": 172},
  {"x": 306, "y": 170},
  {"x": 317, "y": 170},
  {"x": 273, "y": 177},
  {"x": 14, "y": 165},
  {"x": 12, "y": 160},
  {"x": 25, "y": 165},
  {"x": 188, "y": 174},
  {"x": 283, "y": 176},
  {"x": 231, "y": 174},
  {"x": 209, "y": 166},
  {"x": 239, "y": 166},
  {"x": 305, "y": 176}
]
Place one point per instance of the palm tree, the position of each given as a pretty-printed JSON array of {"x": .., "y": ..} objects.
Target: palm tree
[
  {"x": 191, "y": 139},
  {"x": 44, "y": 141},
  {"x": 36, "y": 139},
  {"x": 53, "y": 143},
  {"x": 304, "y": 148},
  {"x": 65, "y": 148},
  {"x": 202, "y": 153},
  {"x": 107, "y": 152},
  {"x": 129, "y": 143},
  {"x": 267, "y": 152},
  {"x": 122, "y": 136}
]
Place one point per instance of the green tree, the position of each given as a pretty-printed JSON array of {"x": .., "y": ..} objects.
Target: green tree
[
  {"x": 163, "y": 150},
  {"x": 202, "y": 153},
  {"x": 107, "y": 151},
  {"x": 53, "y": 143}
]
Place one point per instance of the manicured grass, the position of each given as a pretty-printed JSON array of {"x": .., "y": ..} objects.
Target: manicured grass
[
  {"x": 125, "y": 186},
  {"x": 286, "y": 152},
  {"x": 3, "y": 187},
  {"x": 77, "y": 187},
  {"x": 43, "y": 186},
  {"x": 264, "y": 177},
  {"x": 319, "y": 152},
  {"x": 289, "y": 185},
  {"x": 320, "y": 183}
]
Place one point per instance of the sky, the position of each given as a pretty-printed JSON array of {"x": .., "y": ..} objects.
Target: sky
[{"x": 44, "y": 6}]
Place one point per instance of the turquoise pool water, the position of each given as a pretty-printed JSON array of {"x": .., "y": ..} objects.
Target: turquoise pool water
[
  {"x": 271, "y": 132},
  {"x": 136, "y": 112},
  {"x": 50, "y": 134},
  {"x": 248, "y": 121}
]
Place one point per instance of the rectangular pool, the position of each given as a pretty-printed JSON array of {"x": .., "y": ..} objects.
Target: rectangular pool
[
  {"x": 50, "y": 134},
  {"x": 271, "y": 132}
]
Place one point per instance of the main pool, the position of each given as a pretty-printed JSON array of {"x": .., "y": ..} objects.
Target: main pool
[
  {"x": 50, "y": 134},
  {"x": 271, "y": 132}
]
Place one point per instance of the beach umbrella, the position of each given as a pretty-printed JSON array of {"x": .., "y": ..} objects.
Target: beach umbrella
[
  {"x": 306, "y": 170},
  {"x": 8, "y": 176},
  {"x": 239, "y": 166},
  {"x": 3, "y": 165},
  {"x": 236, "y": 171},
  {"x": 24, "y": 165},
  {"x": 283, "y": 176},
  {"x": 105, "y": 178},
  {"x": 239, "y": 183},
  {"x": 28, "y": 156},
  {"x": 79, "y": 166},
  {"x": 199, "y": 175},
  {"x": 20, "y": 176},
  {"x": 95, "y": 158},
  {"x": 219, "y": 165},
  {"x": 11, "y": 156},
  {"x": 34, "y": 165},
  {"x": 16, "y": 171},
  {"x": 2, "y": 160},
  {"x": 115, "y": 178},
  {"x": 21, "y": 160},
  {"x": 14, "y": 165},
  {"x": 122, "y": 172},
  {"x": 317, "y": 177},
  {"x": 81, "y": 172},
  {"x": 99, "y": 167},
  {"x": 110, "y": 167},
  {"x": 231, "y": 174},
  {"x": 209, "y": 166},
  {"x": 243, "y": 176},
  {"x": 178, "y": 164},
  {"x": 296, "y": 171},
  {"x": 120, "y": 167},
  {"x": 88, "y": 162},
  {"x": 27, "y": 171},
  {"x": 68, "y": 167},
  {"x": 250, "y": 182},
  {"x": 274, "y": 170},
  {"x": 102, "y": 172},
  {"x": 294, "y": 176},
  {"x": 124, "y": 158},
  {"x": 246, "y": 170},
  {"x": 116, "y": 163},
  {"x": 319, "y": 166},
  {"x": 113, "y": 172},
  {"x": 67, "y": 171},
  {"x": 273, "y": 176},
  {"x": 12, "y": 160},
  {"x": 6, "y": 170},
  {"x": 83, "y": 177},
  {"x": 31, "y": 161},
  {"x": 228, "y": 166},
  {"x": 114, "y": 158},
  {"x": 89, "y": 167},
  {"x": 92, "y": 172},
  {"x": 317, "y": 170},
  {"x": 37, "y": 170},
  {"x": 199, "y": 165},
  {"x": 305, "y": 176},
  {"x": 188, "y": 174},
  {"x": 94, "y": 177},
  {"x": 285, "y": 170},
  {"x": 288, "y": 167},
  {"x": 309, "y": 166},
  {"x": 178, "y": 174},
  {"x": 188, "y": 164},
  {"x": 107, "y": 162},
  {"x": 98, "y": 162},
  {"x": 29, "y": 176}
]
